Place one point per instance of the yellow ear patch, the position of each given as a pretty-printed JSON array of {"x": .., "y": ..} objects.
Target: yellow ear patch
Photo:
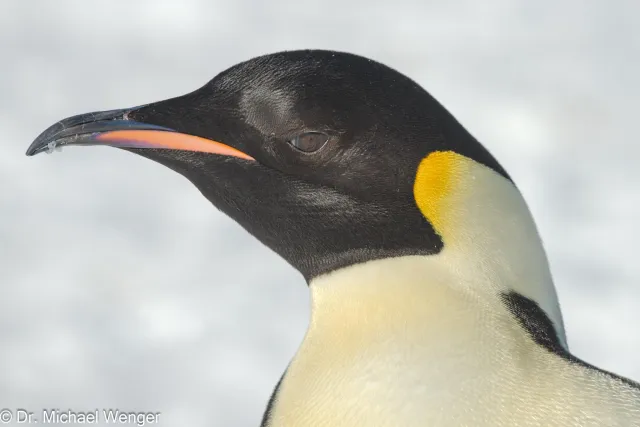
[{"x": 437, "y": 178}]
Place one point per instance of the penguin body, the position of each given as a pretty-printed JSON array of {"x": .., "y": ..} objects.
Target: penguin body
[
  {"x": 449, "y": 340},
  {"x": 432, "y": 299},
  {"x": 431, "y": 364}
]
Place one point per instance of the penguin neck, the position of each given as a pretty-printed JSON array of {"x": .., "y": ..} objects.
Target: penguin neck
[
  {"x": 491, "y": 243},
  {"x": 491, "y": 249}
]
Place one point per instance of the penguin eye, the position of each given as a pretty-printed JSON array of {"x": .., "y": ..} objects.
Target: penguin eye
[{"x": 309, "y": 142}]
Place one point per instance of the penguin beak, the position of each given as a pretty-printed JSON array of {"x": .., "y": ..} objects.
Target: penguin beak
[{"x": 114, "y": 128}]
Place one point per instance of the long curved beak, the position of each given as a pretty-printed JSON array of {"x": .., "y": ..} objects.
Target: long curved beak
[{"x": 114, "y": 128}]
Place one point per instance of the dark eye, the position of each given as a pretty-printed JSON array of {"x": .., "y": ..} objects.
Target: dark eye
[{"x": 309, "y": 141}]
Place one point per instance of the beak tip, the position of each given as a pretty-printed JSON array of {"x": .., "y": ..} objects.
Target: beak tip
[
  {"x": 36, "y": 147},
  {"x": 31, "y": 151}
]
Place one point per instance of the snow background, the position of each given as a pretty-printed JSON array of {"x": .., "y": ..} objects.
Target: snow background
[{"x": 120, "y": 286}]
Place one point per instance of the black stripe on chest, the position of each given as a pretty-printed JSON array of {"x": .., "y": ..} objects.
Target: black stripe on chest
[{"x": 540, "y": 328}]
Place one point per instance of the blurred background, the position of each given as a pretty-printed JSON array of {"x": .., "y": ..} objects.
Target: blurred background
[{"x": 120, "y": 286}]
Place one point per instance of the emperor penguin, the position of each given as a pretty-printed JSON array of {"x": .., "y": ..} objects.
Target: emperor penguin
[{"x": 432, "y": 299}]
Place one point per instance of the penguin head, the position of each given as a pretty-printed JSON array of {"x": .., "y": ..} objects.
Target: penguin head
[{"x": 330, "y": 159}]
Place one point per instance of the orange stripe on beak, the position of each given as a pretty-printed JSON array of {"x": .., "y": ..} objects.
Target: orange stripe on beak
[{"x": 169, "y": 140}]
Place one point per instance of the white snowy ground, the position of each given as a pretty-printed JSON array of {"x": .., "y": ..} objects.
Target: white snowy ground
[{"x": 120, "y": 286}]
